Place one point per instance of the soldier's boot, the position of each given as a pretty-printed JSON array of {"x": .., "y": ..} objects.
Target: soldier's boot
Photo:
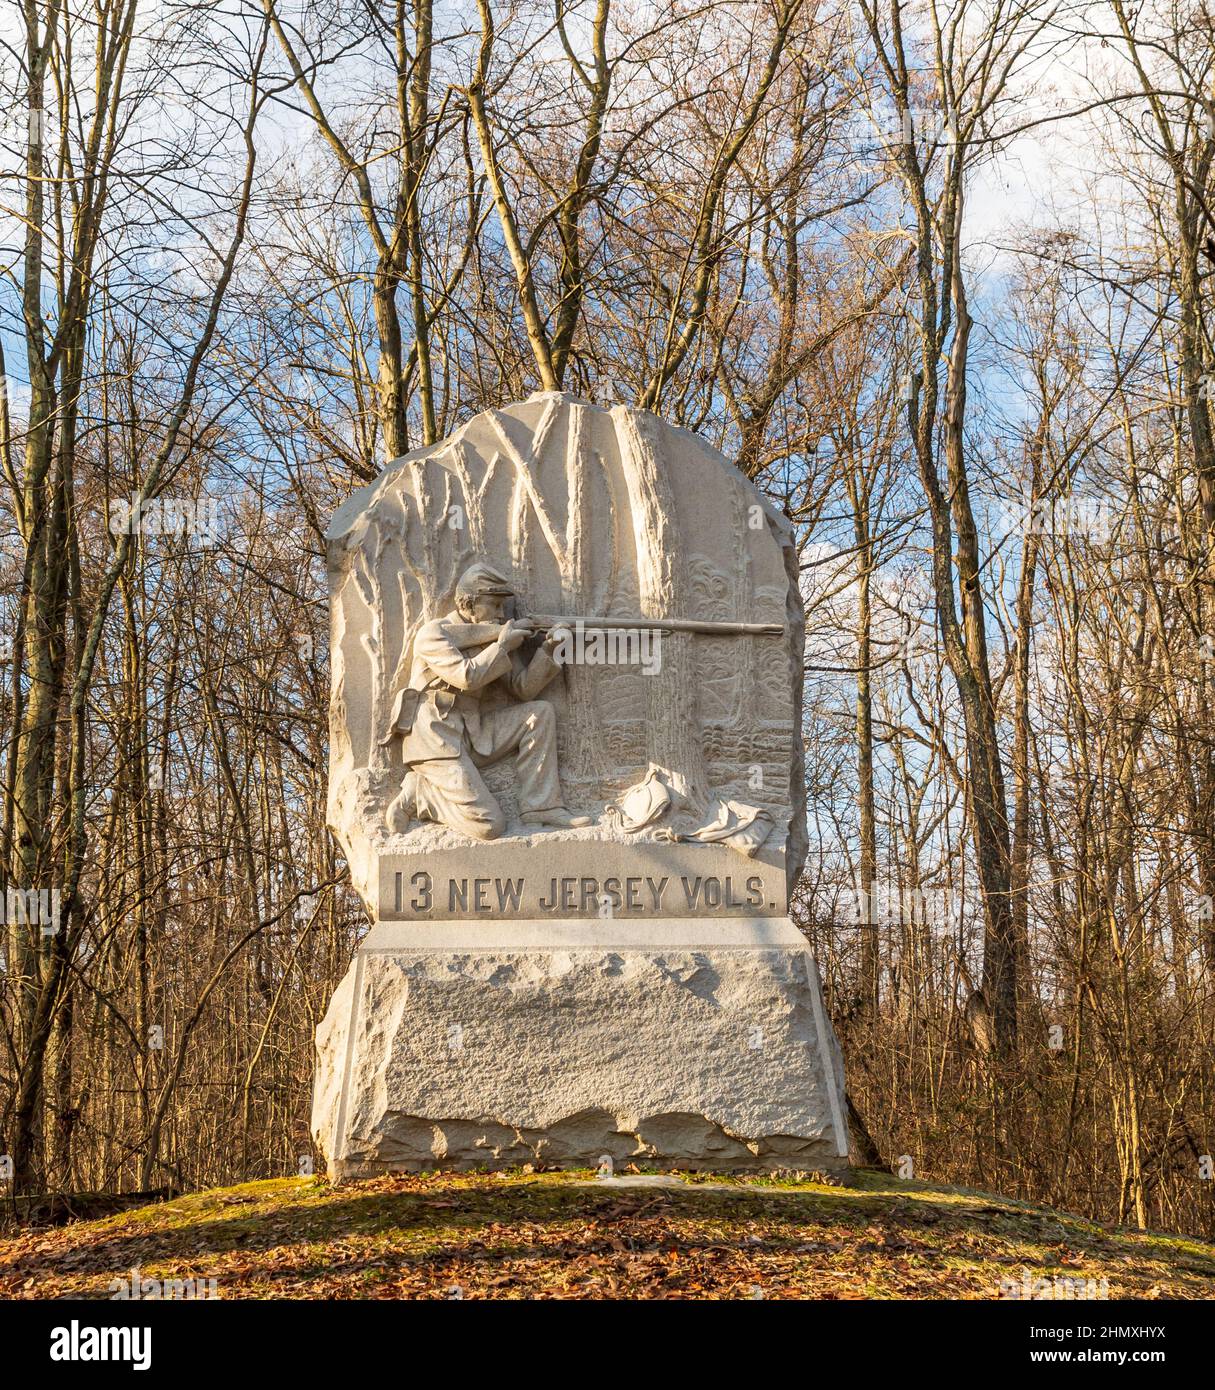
[{"x": 404, "y": 806}]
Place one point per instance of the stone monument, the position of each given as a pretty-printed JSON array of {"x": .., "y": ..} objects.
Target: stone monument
[{"x": 566, "y": 772}]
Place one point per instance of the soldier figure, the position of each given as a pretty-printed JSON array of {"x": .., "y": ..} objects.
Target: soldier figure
[{"x": 471, "y": 700}]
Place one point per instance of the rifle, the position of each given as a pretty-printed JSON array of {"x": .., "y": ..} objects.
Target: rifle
[
  {"x": 545, "y": 621},
  {"x": 466, "y": 635}
]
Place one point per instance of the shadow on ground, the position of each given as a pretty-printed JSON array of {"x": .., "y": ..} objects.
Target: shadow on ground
[{"x": 565, "y": 1236}]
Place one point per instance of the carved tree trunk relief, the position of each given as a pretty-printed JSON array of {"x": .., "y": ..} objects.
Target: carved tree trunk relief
[
  {"x": 674, "y": 740},
  {"x": 580, "y": 594}
]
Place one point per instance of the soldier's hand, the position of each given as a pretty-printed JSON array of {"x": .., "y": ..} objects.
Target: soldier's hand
[{"x": 514, "y": 633}]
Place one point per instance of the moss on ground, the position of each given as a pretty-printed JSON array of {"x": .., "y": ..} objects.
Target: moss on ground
[{"x": 569, "y": 1235}]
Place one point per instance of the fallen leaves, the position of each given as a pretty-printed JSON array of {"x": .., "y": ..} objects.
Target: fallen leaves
[{"x": 547, "y": 1236}]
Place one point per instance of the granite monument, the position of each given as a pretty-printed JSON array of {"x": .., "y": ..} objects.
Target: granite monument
[{"x": 566, "y": 772}]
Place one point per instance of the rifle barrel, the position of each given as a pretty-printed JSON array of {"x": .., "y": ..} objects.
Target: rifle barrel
[{"x": 701, "y": 625}]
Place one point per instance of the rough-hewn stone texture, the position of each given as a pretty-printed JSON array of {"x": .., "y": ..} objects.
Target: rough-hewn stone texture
[{"x": 689, "y": 1055}]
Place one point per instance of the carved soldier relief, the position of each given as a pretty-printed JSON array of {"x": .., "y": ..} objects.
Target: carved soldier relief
[
  {"x": 471, "y": 700},
  {"x": 564, "y": 623}
]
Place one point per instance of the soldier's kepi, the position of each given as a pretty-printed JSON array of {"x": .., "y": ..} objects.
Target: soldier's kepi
[{"x": 472, "y": 700}]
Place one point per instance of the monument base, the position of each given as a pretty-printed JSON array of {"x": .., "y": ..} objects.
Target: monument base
[{"x": 673, "y": 1043}]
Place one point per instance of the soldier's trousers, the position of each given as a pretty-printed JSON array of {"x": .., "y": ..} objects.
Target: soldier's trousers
[{"x": 453, "y": 792}]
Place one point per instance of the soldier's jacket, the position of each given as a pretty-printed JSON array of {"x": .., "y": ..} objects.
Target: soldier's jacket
[{"x": 455, "y": 688}]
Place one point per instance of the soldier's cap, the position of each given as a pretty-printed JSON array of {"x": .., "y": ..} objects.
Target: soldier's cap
[{"x": 481, "y": 579}]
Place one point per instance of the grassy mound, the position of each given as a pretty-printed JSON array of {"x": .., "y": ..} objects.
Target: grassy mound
[{"x": 570, "y": 1235}]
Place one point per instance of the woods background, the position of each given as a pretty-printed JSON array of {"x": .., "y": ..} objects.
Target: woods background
[{"x": 937, "y": 275}]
